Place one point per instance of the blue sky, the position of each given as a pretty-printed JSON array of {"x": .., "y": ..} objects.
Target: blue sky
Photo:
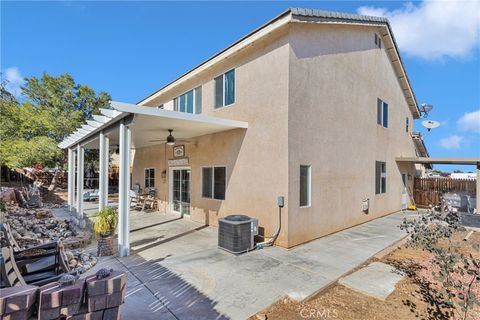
[{"x": 130, "y": 49}]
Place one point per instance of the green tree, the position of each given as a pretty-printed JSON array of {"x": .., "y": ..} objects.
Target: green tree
[{"x": 51, "y": 108}]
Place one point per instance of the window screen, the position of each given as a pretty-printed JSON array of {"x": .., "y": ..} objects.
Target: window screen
[
  {"x": 219, "y": 91},
  {"x": 207, "y": 185},
  {"x": 230, "y": 87}
]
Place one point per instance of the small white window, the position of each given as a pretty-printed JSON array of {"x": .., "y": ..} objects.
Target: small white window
[
  {"x": 305, "y": 186},
  {"x": 150, "y": 178},
  {"x": 380, "y": 177}
]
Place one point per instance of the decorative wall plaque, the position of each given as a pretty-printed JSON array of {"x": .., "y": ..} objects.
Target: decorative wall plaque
[{"x": 179, "y": 151}]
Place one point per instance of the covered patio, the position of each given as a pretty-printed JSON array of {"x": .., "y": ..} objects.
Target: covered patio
[
  {"x": 453, "y": 161},
  {"x": 126, "y": 127}
]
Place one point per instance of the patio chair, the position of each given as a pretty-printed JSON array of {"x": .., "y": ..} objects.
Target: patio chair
[
  {"x": 150, "y": 203},
  {"x": 47, "y": 256},
  {"x": 11, "y": 276},
  {"x": 137, "y": 201}
]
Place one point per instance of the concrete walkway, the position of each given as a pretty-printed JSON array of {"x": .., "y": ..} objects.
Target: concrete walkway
[{"x": 176, "y": 271}]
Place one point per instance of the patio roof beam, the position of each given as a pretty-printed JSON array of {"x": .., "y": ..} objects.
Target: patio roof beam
[
  {"x": 430, "y": 160},
  {"x": 94, "y": 124}
]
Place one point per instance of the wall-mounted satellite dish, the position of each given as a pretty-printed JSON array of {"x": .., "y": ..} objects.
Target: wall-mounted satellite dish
[{"x": 430, "y": 124}]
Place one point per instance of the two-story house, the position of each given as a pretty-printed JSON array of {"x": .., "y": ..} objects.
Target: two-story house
[{"x": 314, "y": 106}]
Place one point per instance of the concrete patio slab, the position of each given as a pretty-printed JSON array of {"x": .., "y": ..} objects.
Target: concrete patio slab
[
  {"x": 377, "y": 280},
  {"x": 176, "y": 270}
]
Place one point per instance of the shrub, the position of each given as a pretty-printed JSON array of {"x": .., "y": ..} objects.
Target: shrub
[
  {"x": 106, "y": 222},
  {"x": 456, "y": 273}
]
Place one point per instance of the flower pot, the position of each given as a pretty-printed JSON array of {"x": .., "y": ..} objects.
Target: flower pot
[{"x": 105, "y": 246}]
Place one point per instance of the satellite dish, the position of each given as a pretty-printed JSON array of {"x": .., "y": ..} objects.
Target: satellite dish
[{"x": 430, "y": 124}]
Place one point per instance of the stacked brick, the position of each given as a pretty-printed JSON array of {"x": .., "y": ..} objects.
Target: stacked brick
[
  {"x": 56, "y": 300},
  {"x": 105, "y": 247},
  {"x": 86, "y": 299},
  {"x": 18, "y": 303},
  {"x": 106, "y": 295}
]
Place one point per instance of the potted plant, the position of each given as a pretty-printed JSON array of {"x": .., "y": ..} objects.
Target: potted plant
[{"x": 105, "y": 226}]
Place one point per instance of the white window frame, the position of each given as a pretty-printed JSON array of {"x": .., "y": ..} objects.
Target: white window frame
[
  {"x": 309, "y": 185},
  {"x": 223, "y": 90},
  {"x": 145, "y": 177},
  {"x": 380, "y": 177},
  {"x": 194, "y": 97},
  {"x": 382, "y": 122},
  {"x": 213, "y": 182}
]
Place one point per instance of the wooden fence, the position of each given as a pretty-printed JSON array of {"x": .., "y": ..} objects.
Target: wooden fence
[{"x": 428, "y": 191}]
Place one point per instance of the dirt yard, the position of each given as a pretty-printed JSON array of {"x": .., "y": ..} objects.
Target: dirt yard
[{"x": 411, "y": 299}]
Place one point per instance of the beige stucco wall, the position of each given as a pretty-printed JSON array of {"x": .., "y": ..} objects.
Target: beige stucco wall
[
  {"x": 336, "y": 76},
  {"x": 309, "y": 94},
  {"x": 256, "y": 158}
]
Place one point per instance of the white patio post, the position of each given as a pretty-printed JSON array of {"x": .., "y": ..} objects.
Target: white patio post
[
  {"x": 71, "y": 178},
  {"x": 80, "y": 155},
  {"x": 478, "y": 187},
  {"x": 124, "y": 191},
  {"x": 103, "y": 174}
]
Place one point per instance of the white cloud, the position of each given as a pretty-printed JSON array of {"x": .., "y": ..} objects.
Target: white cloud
[
  {"x": 14, "y": 81},
  {"x": 434, "y": 29},
  {"x": 470, "y": 121},
  {"x": 451, "y": 142}
]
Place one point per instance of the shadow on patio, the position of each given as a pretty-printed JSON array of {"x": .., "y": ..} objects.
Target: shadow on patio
[{"x": 174, "y": 295}]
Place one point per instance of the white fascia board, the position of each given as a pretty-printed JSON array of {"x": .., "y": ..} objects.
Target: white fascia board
[
  {"x": 149, "y": 111},
  {"x": 403, "y": 78},
  {"x": 109, "y": 113},
  {"x": 249, "y": 40}
]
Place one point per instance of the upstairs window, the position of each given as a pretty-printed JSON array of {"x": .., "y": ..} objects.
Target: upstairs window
[
  {"x": 150, "y": 178},
  {"x": 378, "y": 41},
  {"x": 214, "y": 182},
  {"x": 189, "y": 102},
  {"x": 382, "y": 113},
  {"x": 380, "y": 177},
  {"x": 407, "y": 124},
  {"x": 225, "y": 89}
]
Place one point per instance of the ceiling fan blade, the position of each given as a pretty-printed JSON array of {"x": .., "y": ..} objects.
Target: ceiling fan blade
[{"x": 157, "y": 140}]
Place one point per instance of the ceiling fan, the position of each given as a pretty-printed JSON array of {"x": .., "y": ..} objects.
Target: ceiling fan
[{"x": 171, "y": 140}]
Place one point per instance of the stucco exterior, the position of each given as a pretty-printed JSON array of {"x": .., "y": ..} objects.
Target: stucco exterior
[
  {"x": 309, "y": 94},
  {"x": 336, "y": 75}
]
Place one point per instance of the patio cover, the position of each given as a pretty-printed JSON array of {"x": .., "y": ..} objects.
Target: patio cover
[
  {"x": 128, "y": 126},
  {"x": 460, "y": 161},
  {"x": 147, "y": 123}
]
